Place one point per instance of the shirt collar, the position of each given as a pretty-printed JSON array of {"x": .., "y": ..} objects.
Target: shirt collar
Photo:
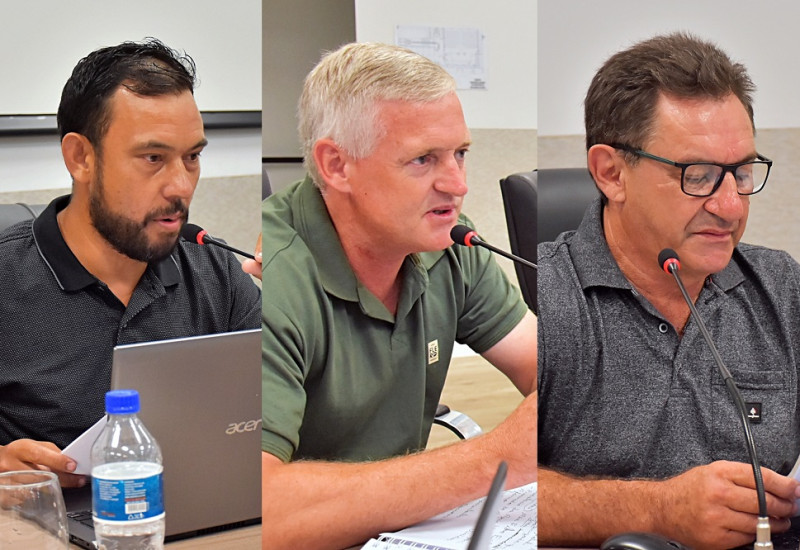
[
  {"x": 596, "y": 266},
  {"x": 68, "y": 272},
  {"x": 732, "y": 275},
  {"x": 316, "y": 229}
]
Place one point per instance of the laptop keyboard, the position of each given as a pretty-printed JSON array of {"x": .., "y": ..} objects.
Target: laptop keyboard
[{"x": 83, "y": 516}]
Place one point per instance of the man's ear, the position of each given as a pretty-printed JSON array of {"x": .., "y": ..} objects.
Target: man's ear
[
  {"x": 79, "y": 157},
  {"x": 607, "y": 168},
  {"x": 332, "y": 164}
]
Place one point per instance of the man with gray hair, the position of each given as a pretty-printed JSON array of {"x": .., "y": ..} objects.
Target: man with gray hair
[
  {"x": 636, "y": 430},
  {"x": 364, "y": 299}
]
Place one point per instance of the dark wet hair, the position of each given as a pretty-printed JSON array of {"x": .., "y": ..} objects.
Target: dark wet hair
[{"x": 147, "y": 68}]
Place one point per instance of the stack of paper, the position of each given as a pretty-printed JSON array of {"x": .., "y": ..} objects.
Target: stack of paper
[{"x": 515, "y": 528}]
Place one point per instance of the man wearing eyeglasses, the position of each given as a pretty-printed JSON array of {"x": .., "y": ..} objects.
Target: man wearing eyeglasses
[{"x": 636, "y": 429}]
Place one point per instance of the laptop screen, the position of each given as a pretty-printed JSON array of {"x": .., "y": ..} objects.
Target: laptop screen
[{"x": 201, "y": 400}]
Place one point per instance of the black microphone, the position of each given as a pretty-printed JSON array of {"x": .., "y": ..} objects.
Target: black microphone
[
  {"x": 669, "y": 262},
  {"x": 196, "y": 234},
  {"x": 466, "y": 236}
]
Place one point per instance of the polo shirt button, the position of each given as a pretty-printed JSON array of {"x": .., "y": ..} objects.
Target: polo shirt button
[{"x": 663, "y": 328}]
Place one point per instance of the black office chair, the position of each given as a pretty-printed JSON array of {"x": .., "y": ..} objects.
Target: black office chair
[
  {"x": 540, "y": 205},
  {"x": 564, "y": 195},
  {"x": 13, "y": 213},
  {"x": 266, "y": 188},
  {"x": 520, "y": 202}
]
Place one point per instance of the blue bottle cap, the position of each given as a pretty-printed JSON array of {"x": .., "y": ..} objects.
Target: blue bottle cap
[{"x": 122, "y": 402}]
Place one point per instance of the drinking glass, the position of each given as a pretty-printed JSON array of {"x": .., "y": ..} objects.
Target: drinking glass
[{"x": 32, "y": 513}]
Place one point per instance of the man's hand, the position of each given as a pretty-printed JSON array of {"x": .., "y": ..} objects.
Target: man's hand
[
  {"x": 253, "y": 267},
  {"x": 27, "y": 454},
  {"x": 716, "y": 505}
]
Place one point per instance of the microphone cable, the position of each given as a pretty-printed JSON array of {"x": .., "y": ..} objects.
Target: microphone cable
[{"x": 669, "y": 262}]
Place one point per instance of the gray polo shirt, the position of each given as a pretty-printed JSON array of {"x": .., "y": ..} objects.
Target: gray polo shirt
[
  {"x": 343, "y": 378},
  {"x": 620, "y": 394}
]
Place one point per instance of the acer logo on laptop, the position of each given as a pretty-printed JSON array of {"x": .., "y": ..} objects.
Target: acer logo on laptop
[{"x": 242, "y": 427}]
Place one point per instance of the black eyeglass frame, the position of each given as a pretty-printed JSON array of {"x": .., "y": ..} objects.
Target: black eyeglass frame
[{"x": 760, "y": 159}]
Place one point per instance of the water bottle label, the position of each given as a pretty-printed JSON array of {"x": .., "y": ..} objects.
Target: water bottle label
[{"x": 127, "y": 499}]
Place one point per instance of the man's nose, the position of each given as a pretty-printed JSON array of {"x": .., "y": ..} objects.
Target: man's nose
[
  {"x": 452, "y": 179},
  {"x": 726, "y": 202},
  {"x": 181, "y": 182}
]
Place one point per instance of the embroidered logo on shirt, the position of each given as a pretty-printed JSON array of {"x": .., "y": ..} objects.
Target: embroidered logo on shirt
[
  {"x": 754, "y": 412},
  {"x": 433, "y": 351}
]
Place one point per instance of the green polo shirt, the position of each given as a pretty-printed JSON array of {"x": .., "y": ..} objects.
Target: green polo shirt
[{"x": 343, "y": 378}]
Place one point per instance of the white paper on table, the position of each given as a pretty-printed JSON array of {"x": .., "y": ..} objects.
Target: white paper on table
[
  {"x": 80, "y": 450},
  {"x": 394, "y": 544},
  {"x": 515, "y": 528}
]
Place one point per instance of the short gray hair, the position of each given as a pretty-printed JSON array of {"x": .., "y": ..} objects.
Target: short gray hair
[{"x": 341, "y": 95}]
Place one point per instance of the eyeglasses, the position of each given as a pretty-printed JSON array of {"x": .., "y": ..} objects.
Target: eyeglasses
[{"x": 702, "y": 179}]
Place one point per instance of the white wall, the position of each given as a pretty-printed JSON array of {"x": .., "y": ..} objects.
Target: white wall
[
  {"x": 510, "y": 30},
  {"x": 42, "y": 40},
  {"x": 30, "y": 163},
  {"x": 577, "y": 36}
]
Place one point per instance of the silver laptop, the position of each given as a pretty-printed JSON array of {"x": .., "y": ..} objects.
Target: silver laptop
[{"x": 201, "y": 400}]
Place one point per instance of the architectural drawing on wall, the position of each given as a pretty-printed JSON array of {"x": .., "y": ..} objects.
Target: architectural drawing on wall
[{"x": 460, "y": 50}]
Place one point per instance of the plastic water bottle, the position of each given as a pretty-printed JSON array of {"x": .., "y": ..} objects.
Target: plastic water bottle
[{"x": 127, "y": 495}]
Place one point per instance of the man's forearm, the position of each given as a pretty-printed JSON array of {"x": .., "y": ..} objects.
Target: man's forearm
[
  {"x": 336, "y": 505},
  {"x": 575, "y": 511}
]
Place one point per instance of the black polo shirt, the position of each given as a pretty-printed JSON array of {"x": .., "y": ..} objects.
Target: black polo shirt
[{"x": 59, "y": 323}]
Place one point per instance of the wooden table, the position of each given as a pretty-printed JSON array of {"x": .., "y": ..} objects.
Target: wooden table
[{"x": 245, "y": 538}]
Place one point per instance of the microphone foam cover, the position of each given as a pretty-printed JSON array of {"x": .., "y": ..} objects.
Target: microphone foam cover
[
  {"x": 192, "y": 232},
  {"x": 666, "y": 257},
  {"x": 461, "y": 234}
]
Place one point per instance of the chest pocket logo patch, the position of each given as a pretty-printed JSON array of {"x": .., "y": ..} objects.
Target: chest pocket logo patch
[
  {"x": 754, "y": 412},
  {"x": 433, "y": 352}
]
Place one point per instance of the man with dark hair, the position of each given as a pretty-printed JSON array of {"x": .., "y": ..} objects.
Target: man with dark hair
[
  {"x": 104, "y": 265},
  {"x": 636, "y": 429},
  {"x": 149, "y": 68}
]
